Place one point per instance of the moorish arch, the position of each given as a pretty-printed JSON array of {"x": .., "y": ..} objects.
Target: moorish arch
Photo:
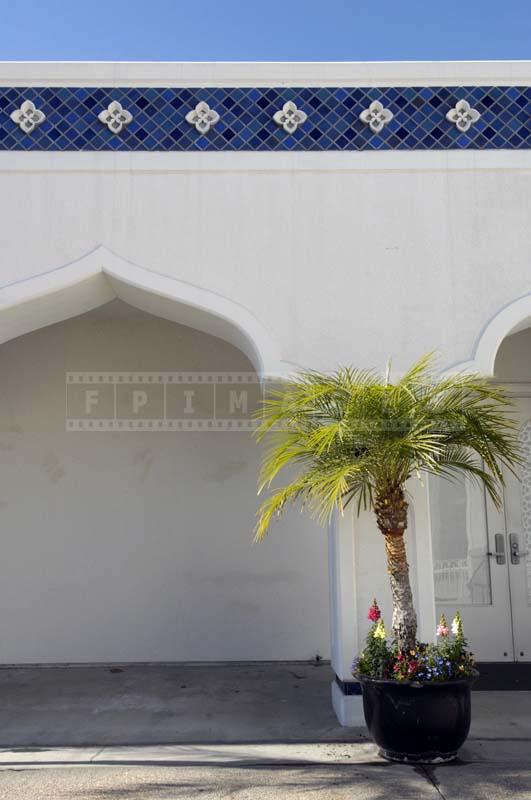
[
  {"x": 512, "y": 318},
  {"x": 101, "y": 276},
  {"x": 125, "y": 546}
]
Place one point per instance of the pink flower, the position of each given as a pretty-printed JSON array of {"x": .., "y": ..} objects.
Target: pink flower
[
  {"x": 442, "y": 627},
  {"x": 374, "y": 612}
]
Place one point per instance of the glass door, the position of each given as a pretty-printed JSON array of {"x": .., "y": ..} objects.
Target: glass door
[
  {"x": 470, "y": 558},
  {"x": 518, "y": 529}
]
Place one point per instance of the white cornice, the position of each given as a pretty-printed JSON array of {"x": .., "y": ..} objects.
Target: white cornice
[
  {"x": 432, "y": 161},
  {"x": 296, "y": 73}
]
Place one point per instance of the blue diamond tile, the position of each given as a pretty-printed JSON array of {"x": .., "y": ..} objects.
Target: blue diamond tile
[{"x": 246, "y": 123}]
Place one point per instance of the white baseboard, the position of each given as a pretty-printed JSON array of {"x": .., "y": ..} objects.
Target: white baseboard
[{"x": 348, "y": 708}]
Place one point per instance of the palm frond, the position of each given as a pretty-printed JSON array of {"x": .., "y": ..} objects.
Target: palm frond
[{"x": 352, "y": 432}]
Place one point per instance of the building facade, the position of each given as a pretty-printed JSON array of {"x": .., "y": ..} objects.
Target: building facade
[{"x": 173, "y": 237}]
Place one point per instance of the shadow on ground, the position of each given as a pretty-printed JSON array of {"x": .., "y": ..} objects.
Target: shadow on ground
[{"x": 331, "y": 782}]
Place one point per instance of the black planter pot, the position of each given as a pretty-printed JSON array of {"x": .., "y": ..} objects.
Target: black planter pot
[{"x": 415, "y": 722}]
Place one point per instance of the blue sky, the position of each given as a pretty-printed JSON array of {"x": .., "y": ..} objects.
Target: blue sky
[{"x": 265, "y": 30}]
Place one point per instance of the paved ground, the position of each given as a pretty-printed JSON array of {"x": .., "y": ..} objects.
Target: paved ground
[
  {"x": 251, "y": 733},
  {"x": 154, "y": 704},
  {"x": 321, "y": 783},
  {"x": 363, "y": 776}
]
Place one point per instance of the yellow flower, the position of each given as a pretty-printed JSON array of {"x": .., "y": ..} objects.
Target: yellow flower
[{"x": 379, "y": 630}]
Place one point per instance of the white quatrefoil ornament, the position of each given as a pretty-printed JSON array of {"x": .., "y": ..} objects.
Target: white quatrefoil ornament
[
  {"x": 463, "y": 116},
  {"x": 376, "y": 116},
  {"x": 115, "y": 117},
  {"x": 27, "y": 116},
  {"x": 290, "y": 117},
  {"x": 202, "y": 117}
]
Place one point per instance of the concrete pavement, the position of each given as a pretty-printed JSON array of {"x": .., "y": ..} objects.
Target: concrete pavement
[
  {"x": 131, "y": 705},
  {"x": 257, "y": 732},
  {"x": 363, "y": 778},
  {"x": 488, "y": 769},
  {"x": 207, "y": 783},
  {"x": 56, "y": 706}
]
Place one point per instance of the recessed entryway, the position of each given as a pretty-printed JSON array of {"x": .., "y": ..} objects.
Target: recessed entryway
[
  {"x": 482, "y": 555},
  {"x": 137, "y": 546}
]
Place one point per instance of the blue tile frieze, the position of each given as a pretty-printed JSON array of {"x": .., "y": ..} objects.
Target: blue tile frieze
[{"x": 416, "y": 118}]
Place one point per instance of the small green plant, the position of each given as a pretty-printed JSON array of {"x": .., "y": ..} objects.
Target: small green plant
[
  {"x": 376, "y": 658},
  {"x": 449, "y": 659}
]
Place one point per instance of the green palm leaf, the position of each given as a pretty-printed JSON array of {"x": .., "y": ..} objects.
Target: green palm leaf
[{"x": 352, "y": 434}]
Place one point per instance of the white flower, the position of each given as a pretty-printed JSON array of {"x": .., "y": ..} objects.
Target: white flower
[
  {"x": 376, "y": 116},
  {"x": 203, "y": 117},
  {"x": 290, "y": 117},
  {"x": 27, "y": 116},
  {"x": 457, "y": 625},
  {"x": 462, "y": 115},
  {"x": 115, "y": 117}
]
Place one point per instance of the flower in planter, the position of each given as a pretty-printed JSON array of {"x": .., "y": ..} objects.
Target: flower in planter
[
  {"x": 457, "y": 626},
  {"x": 446, "y": 660},
  {"x": 375, "y": 658},
  {"x": 442, "y": 628},
  {"x": 374, "y": 612}
]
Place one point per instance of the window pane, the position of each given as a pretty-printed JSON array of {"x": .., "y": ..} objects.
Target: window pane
[{"x": 460, "y": 542}]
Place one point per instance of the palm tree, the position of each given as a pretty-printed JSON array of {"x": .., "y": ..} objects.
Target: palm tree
[{"x": 353, "y": 436}]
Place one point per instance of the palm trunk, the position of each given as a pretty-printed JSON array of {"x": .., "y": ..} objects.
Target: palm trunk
[
  {"x": 404, "y": 617},
  {"x": 391, "y": 514}
]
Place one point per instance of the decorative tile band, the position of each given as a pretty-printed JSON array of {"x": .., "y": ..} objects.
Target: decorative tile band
[{"x": 265, "y": 119}]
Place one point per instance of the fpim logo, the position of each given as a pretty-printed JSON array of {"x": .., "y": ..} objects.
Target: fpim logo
[{"x": 162, "y": 401}]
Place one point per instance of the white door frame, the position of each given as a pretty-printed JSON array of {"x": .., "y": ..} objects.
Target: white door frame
[
  {"x": 501, "y": 627},
  {"x": 517, "y": 567}
]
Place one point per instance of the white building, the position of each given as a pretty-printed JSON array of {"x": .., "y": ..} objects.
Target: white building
[{"x": 160, "y": 242}]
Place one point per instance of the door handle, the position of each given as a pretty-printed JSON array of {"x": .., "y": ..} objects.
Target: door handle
[
  {"x": 516, "y": 554},
  {"x": 499, "y": 554}
]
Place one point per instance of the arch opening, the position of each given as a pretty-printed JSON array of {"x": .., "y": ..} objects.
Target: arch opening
[
  {"x": 512, "y": 362},
  {"x": 512, "y": 319},
  {"x": 135, "y": 545}
]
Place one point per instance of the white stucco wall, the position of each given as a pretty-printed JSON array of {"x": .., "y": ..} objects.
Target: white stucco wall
[
  {"x": 138, "y": 546},
  {"x": 320, "y": 259},
  {"x": 343, "y": 258}
]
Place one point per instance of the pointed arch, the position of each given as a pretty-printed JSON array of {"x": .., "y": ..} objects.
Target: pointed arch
[
  {"x": 100, "y": 276},
  {"x": 513, "y": 317}
]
